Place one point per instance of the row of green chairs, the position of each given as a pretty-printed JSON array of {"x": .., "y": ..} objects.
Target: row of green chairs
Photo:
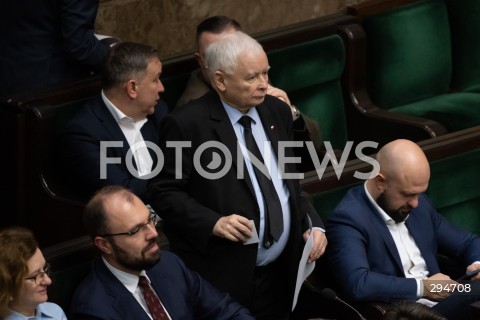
[{"x": 422, "y": 58}]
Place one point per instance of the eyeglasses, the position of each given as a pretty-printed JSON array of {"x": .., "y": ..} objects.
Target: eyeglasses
[
  {"x": 39, "y": 276},
  {"x": 153, "y": 220}
]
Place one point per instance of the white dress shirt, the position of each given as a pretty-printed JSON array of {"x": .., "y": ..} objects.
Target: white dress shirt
[
  {"x": 413, "y": 263},
  {"x": 133, "y": 135}
]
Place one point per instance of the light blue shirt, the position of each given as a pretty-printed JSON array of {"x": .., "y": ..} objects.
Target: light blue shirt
[
  {"x": 264, "y": 256},
  {"x": 46, "y": 310}
]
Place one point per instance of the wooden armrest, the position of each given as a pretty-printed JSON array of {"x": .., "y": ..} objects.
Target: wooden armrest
[
  {"x": 366, "y": 121},
  {"x": 377, "y": 6}
]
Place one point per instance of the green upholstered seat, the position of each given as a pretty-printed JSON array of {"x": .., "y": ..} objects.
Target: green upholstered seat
[
  {"x": 455, "y": 189},
  {"x": 325, "y": 202},
  {"x": 408, "y": 53},
  {"x": 410, "y": 65},
  {"x": 310, "y": 74},
  {"x": 465, "y": 31},
  {"x": 455, "y": 111}
]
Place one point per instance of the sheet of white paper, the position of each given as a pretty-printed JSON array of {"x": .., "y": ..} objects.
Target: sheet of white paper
[
  {"x": 304, "y": 268},
  {"x": 101, "y": 36},
  {"x": 254, "y": 237}
]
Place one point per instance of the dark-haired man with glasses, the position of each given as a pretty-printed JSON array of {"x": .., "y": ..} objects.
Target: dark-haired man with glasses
[{"x": 133, "y": 279}]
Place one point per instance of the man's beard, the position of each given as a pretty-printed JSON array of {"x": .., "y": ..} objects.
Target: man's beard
[
  {"x": 397, "y": 214},
  {"x": 137, "y": 264}
]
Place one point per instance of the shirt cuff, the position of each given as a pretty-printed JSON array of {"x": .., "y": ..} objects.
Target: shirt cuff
[{"x": 419, "y": 288}]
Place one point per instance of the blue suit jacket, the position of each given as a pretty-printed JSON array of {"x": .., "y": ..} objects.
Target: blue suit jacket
[
  {"x": 184, "y": 294},
  {"x": 46, "y": 43},
  {"x": 81, "y": 147},
  {"x": 363, "y": 255}
]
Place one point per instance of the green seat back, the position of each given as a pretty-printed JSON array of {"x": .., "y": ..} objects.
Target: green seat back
[
  {"x": 455, "y": 189},
  {"x": 310, "y": 74},
  {"x": 408, "y": 53},
  {"x": 325, "y": 202},
  {"x": 465, "y": 29}
]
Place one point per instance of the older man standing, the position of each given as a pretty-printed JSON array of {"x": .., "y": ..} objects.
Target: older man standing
[{"x": 210, "y": 217}]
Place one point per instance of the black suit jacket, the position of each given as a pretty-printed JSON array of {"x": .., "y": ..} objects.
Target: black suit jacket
[
  {"x": 48, "y": 42},
  {"x": 81, "y": 156},
  {"x": 184, "y": 294},
  {"x": 192, "y": 205}
]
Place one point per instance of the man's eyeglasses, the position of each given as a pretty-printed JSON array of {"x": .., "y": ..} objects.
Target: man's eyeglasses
[
  {"x": 39, "y": 276},
  {"x": 153, "y": 220}
]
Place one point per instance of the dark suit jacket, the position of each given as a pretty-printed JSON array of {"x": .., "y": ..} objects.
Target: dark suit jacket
[
  {"x": 46, "y": 43},
  {"x": 305, "y": 129},
  {"x": 363, "y": 255},
  {"x": 81, "y": 147},
  {"x": 184, "y": 294},
  {"x": 192, "y": 205}
]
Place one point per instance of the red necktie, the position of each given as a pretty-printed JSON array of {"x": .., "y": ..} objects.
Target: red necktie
[{"x": 153, "y": 303}]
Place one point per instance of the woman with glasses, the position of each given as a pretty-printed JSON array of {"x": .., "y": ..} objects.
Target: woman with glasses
[{"x": 24, "y": 278}]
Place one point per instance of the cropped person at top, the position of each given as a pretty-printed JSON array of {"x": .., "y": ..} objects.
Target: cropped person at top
[
  {"x": 48, "y": 43},
  {"x": 24, "y": 278}
]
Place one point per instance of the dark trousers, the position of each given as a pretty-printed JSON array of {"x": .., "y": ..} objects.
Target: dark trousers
[{"x": 270, "y": 297}]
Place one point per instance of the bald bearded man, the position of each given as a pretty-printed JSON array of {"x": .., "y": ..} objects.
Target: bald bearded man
[{"x": 384, "y": 237}]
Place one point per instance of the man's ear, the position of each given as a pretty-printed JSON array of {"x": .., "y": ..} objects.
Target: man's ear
[
  {"x": 219, "y": 80},
  {"x": 198, "y": 58},
  {"x": 380, "y": 182},
  {"x": 132, "y": 89},
  {"x": 102, "y": 244}
]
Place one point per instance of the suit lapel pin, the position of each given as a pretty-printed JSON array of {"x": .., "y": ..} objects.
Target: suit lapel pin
[{"x": 272, "y": 127}]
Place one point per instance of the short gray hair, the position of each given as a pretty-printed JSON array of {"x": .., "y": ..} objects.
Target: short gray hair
[{"x": 223, "y": 54}]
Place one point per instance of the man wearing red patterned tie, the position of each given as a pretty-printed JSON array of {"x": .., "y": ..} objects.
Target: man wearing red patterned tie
[{"x": 133, "y": 279}]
